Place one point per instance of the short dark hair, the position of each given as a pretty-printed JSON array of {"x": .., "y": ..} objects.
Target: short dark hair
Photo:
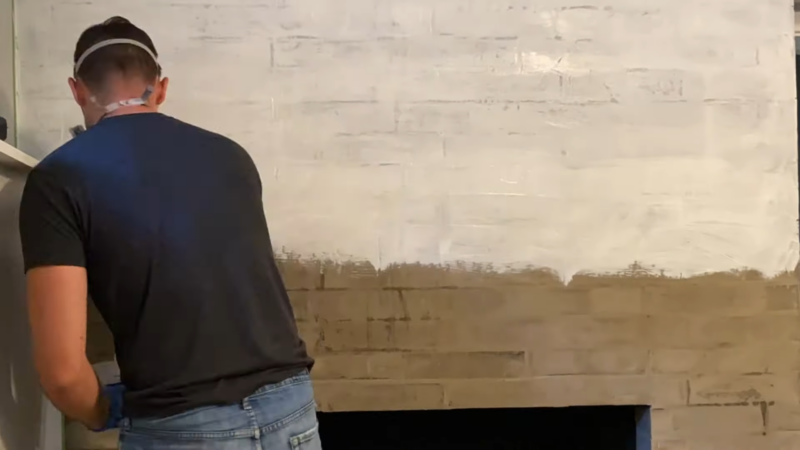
[{"x": 127, "y": 60}]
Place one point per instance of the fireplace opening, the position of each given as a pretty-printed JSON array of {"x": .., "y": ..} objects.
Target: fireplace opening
[{"x": 573, "y": 428}]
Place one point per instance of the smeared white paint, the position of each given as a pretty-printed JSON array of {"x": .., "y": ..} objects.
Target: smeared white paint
[
  {"x": 552, "y": 19},
  {"x": 558, "y": 124},
  {"x": 576, "y": 140},
  {"x": 533, "y": 62}
]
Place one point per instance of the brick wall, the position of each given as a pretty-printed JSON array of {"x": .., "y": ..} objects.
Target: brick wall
[
  {"x": 717, "y": 356},
  {"x": 572, "y": 135}
]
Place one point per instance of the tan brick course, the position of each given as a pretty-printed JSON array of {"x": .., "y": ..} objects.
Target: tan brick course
[
  {"x": 749, "y": 359},
  {"x": 566, "y": 391},
  {"x": 608, "y": 361},
  {"x": 734, "y": 389},
  {"x": 378, "y": 396},
  {"x": 415, "y": 365}
]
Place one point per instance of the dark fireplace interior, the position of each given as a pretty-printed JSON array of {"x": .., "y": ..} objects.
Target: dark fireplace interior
[{"x": 574, "y": 428}]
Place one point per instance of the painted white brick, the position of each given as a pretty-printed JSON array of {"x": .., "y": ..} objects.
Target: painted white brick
[
  {"x": 333, "y": 118},
  {"x": 626, "y": 129},
  {"x": 348, "y": 19}
]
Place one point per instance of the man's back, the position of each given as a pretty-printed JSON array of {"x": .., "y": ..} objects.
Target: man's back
[{"x": 175, "y": 243}]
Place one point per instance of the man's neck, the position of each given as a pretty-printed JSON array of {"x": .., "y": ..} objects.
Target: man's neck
[
  {"x": 126, "y": 110},
  {"x": 121, "y": 111},
  {"x": 125, "y": 91}
]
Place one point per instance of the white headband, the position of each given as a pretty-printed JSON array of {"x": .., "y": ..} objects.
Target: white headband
[{"x": 102, "y": 44}]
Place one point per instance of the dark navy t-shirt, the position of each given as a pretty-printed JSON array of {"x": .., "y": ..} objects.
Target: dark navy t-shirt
[{"x": 168, "y": 220}]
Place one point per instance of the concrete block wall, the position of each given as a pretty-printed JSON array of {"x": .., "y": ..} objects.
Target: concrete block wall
[{"x": 503, "y": 202}]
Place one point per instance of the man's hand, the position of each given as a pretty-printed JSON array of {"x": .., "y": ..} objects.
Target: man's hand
[
  {"x": 112, "y": 399},
  {"x": 100, "y": 415}
]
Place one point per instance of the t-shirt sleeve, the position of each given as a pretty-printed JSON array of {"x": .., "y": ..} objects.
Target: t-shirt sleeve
[{"x": 49, "y": 225}]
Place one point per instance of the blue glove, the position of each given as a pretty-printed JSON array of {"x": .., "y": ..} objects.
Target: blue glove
[{"x": 114, "y": 393}]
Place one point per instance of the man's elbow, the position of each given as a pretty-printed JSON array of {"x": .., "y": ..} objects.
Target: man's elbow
[{"x": 61, "y": 379}]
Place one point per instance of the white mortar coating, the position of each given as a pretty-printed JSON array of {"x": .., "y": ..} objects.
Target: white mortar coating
[{"x": 578, "y": 135}]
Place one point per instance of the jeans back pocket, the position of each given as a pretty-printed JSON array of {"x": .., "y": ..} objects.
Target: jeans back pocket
[{"x": 308, "y": 440}]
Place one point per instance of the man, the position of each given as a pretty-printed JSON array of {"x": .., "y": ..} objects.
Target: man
[{"x": 163, "y": 225}]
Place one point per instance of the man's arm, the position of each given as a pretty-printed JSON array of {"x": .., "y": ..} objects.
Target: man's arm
[
  {"x": 57, "y": 311},
  {"x": 53, "y": 249}
]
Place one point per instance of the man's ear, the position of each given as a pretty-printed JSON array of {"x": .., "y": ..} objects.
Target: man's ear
[
  {"x": 78, "y": 93},
  {"x": 161, "y": 91}
]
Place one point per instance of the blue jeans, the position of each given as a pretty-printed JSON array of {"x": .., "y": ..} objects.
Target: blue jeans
[{"x": 279, "y": 416}]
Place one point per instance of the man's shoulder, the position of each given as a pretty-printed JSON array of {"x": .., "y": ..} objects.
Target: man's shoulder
[
  {"x": 68, "y": 164},
  {"x": 78, "y": 156},
  {"x": 185, "y": 131},
  {"x": 60, "y": 163},
  {"x": 213, "y": 136},
  {"x": 56, "y": 161}
]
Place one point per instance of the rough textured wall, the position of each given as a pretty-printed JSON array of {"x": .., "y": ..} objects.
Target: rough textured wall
[{"x": 624, "y": 146}]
